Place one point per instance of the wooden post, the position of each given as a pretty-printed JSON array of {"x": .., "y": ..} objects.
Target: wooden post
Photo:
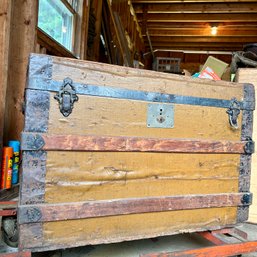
[
  {"x": 5, "y": 19},
  {"x": 84, "y": 29},
  {"x": 22, "y": 43},
  {"x": 98, "y": 13}
]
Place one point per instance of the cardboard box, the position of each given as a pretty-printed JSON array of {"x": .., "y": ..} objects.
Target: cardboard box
[
  {"x": 227, "y": 74},
  {"x": 216, "y": 65}
]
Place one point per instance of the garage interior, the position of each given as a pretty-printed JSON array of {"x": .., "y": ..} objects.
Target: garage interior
[{"x": 175, "y": 37}]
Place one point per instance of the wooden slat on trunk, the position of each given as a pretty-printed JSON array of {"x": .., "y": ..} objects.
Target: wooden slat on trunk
[
  {"x": 81, "y": 210},
  {"x": 37, "y": 141}
]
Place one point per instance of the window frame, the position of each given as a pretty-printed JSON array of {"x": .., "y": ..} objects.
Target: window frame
[{"x": 52, "y": 44}]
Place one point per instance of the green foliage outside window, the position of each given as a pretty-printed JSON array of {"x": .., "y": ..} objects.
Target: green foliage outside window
[{"x": 56, "y": 20}]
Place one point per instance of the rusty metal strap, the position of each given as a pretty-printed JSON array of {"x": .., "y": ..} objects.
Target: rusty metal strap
[
  {"x": 50, "y": 142},
  {"x": 81, "y": 210}
]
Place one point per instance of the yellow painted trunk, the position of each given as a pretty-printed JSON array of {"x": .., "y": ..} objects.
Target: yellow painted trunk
[{"x": 89, "y": 176}]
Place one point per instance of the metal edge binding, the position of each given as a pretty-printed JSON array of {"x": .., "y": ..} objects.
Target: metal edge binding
[
  {"x": 245, "y": 159},
  {"x": 121, "y": 93},
  {"x": 39, "y": 71}
]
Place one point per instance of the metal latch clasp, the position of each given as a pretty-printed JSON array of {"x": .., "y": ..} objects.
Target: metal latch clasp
[
  {"x": 66, "y": 97},
  {"x": 233, "y": 113}
]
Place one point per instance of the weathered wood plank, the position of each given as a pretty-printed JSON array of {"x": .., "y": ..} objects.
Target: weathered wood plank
[
  {"x": 201, "y": 25},
  {"x": 111, "y": 167},
  {"x": 150, "y": 81},
  {"x": 84, "y": 29},
  {"x": 104, "y": 116},
  {"x": 202, "y": 39},
  {"x": 22, "y": 43},
  {"x": 65, "y": 191},
  {"x": 207, "y": 7},
  {"x": 188, "y": 1},
  {"x": 81, "y": 210},
  {"x": 122, "y": 228},
  {"x": 98, "y": 7},
  {"x": 193, "y": 17},
  {"x": 193, "y": 32},
  {"x": 50, "y": 142},
  {"x": 5, "y": 24},
  {"x": 108, "y": 175}
]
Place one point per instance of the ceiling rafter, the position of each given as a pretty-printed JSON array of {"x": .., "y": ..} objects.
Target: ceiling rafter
[
  {"x": 189, "y": 32},
  {"x": 193, "y": 17},
  {"x": 187, "y": 23},
  {"x": 198, "y": 8},
  {"x": 199, "y": 25},
  {"x": 189, "y": 1}
]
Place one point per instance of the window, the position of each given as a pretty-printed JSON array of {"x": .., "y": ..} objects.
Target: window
[{"x": 57, "y": 18}]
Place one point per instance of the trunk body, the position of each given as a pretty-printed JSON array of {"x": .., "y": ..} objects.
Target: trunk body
[{"x": 140, "y": 154}]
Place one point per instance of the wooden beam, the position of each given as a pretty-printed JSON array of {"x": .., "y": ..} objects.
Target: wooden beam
[
  {"x": 119, "y": 40},
  {"x": 84, "y": 29},
  {"x": 198, "y": 46},
  {"x": 149, "y": 42},
  {"x": 195, "y": 17},
  {"x": 199, "y": 8},
  {"x": 200, "y": 25},
  {"x": 244, "y": 32},
  {"x": 103, "y": 208},
  {"x": 124, "y": 42},
  {"x": 5, "y": 22},
  {"x": 37, "y": 141},
  {"x": 98, "y": 6},
  {"x": 205, "y": 39},
  {"x": 195, "y": 44},
  {"x": 22, "y": 43},
  {"x": 188, "y": 1}
]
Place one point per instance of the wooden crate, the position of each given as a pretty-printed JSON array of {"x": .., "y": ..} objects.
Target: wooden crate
[
  {"x": 141, "y": 154},
  {"x": 248, "y": 75}
]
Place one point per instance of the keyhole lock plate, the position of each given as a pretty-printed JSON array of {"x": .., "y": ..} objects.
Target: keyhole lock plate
[{"x": 160, "y": 116}]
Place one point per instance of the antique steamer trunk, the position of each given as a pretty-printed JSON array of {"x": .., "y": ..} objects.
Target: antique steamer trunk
[{"x": 112, "y": 154}]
